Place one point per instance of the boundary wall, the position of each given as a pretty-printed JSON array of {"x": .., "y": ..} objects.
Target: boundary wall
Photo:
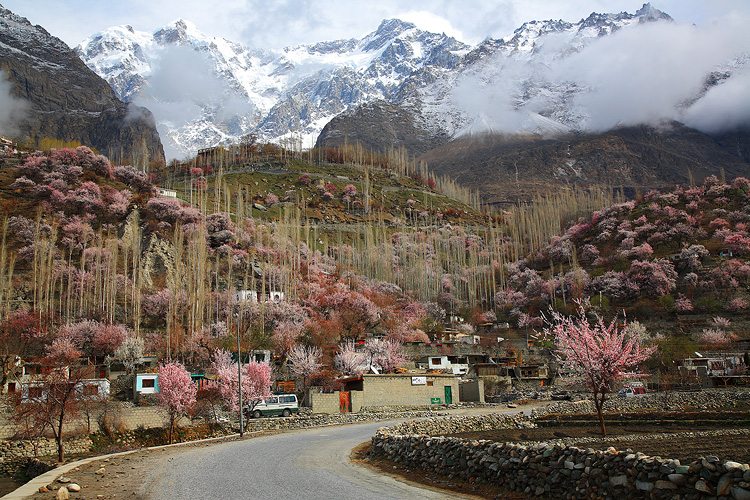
[{"x": 554, "y": 470}]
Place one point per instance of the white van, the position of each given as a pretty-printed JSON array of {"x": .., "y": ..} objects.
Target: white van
[{"x": 277, "y": 404}]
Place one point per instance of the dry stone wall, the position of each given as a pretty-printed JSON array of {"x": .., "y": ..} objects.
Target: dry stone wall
[
  {"x": 561, "y": 471},
  {"x": 14, "y": 454}
]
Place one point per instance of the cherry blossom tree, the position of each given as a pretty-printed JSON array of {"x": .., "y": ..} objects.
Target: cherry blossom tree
[
  {"x": 271, "y": 199},
  {"x": 391, "y": 355},
  {"x": 304, "y": 361},
  {"x": 285, "y": 336},
  {"x": 176, "y": 392},
  {"x": 656, "y": 277},
  {"x": 599, "y": 354},
  {"x": 385, "y": 353},
  {"x": 108, "y": 338},
  {"x": 130, "y": 352},
  {"x": 349, "y": 360},
  {"x": 683, "y": 304},
  {"x": 256, "y": 384},
  {"x": 256, "y": 381}
]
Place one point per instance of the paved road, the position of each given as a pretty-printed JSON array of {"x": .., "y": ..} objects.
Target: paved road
[{"x": 312, "y": 464}]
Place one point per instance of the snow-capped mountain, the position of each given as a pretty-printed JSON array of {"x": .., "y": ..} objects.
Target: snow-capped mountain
[
  {"x": 520, "y": 83},
  {"x": 547, "y": 78},
  {"x": 206, "y": 90}
]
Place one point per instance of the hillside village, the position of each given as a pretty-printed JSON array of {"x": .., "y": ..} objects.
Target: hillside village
[
  {"x": 541, "y": 313},
  {"x": 670, "y": 264}
]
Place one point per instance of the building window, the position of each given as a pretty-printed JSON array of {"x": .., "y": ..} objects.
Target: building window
[
  {"x": 148, "y": 383},
  {"x": 90, "y": 390}
]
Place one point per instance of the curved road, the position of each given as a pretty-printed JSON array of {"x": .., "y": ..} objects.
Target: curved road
[{"x": 310, "y": 464}]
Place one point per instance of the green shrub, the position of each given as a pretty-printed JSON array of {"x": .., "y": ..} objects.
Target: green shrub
[
  {"x": 604, "y": 304},
  {"x": 707, "y": 305},
  {"x": 667, "y": 303}
]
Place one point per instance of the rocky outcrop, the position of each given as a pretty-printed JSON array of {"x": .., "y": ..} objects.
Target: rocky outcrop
[
  {"x": 66, "y": 99},
  {"x": 378, "y": 127}
]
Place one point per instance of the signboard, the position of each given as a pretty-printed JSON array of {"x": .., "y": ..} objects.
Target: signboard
[
  {"x": 434, "y": 401},
  {"x": 419, "y": 381}
]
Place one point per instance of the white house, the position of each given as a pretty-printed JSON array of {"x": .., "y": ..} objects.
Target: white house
[
  {"x": 246, "y": 296},
  {"x": 168, "y": 193},
  {"x": 443, "y": 363},
  {"x": 255, "y": 296}
]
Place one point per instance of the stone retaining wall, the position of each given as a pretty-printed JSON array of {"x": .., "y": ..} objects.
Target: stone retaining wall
[
  {"x": 557, "y": 470},
  {"x": 13, "y": 454},
  {"x": 714, "y": 399}
]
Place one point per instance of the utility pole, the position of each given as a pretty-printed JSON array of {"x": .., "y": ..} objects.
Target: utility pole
[{"x": 239, "y": 374}]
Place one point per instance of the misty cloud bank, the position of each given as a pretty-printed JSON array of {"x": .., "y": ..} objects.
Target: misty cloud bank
[
  {"x": 643, "y": 74},
  {"x": 13, "y": 110},
  {"x": 183, "y": 89}
]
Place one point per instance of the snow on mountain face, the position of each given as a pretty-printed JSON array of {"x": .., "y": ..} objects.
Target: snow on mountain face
[
  {"x": 548, "y": 77},
  {"x": 205, "y": 90}
]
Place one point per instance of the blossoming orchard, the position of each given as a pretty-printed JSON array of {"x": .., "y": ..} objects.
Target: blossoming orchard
[{"x": 303, "y": 275}]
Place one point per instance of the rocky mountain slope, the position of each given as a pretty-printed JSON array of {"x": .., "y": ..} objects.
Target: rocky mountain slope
[
  {"x": 506, "y": 169},
  {"x": 66, "y": 100}
]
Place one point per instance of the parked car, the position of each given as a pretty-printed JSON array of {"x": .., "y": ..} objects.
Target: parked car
[
  {"x": 277, "y": 404},
  {"x": 631, "y": 391},
  {"x": 561, "y": 396}
]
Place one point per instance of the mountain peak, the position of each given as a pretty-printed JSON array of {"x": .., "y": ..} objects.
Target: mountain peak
[
  {"x": 388, "y": 30},
  {"x": 650, "y": 13},
  {"x": 394, "y": 26},
  {"x": 178, "y": 32}
]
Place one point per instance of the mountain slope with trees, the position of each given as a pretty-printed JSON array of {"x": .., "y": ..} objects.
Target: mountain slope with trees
[{"x": 67, "y": 101}]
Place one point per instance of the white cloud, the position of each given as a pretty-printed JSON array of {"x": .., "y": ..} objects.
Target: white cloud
[
  {"x": 724, "y": 107},
  {"x": 429, "y": 21},
  {"x": 648, "y": 73},
  {"x": 12, "y": 109},
  {"x": 288, "y": 22}
]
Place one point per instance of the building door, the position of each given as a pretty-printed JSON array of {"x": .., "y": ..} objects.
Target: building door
[
  {"x": 448, "y": 395},
  {"x": 345, "y": 402}
]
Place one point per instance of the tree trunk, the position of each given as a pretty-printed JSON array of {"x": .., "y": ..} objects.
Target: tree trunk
[
  {"x": 171, "y": 426},
  {"x": 59, "y": 441},
  {"x": 599, "y": 404}
]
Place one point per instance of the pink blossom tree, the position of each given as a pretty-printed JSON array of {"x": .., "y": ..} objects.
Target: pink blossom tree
[
  {"x": 256, "y": 381},
  {"x": 176, "y": 392},
  {"x": 599, "y": 355},
  {"x": 108, "y": 338},
  {"x": 304, "y": 361},
  {"x": 256, "y": 384},
  {"x": 349, "y": 360},
  {"x": 271, "y": 199},
  {"x": 391, "y": 355}
]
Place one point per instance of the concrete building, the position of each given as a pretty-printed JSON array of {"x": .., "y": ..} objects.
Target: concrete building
[{"x": 395, "y": 389}]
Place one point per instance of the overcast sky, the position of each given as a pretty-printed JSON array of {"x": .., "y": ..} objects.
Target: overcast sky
[{"x": 278, "y": 23}]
